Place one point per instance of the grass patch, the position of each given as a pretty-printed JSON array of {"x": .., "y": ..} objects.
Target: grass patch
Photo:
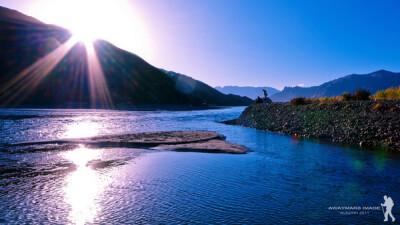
[
  {"x": 390, "y": 93},
  {"x": 358, "y": 95}
]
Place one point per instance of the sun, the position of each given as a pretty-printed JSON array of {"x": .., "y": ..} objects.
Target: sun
[
  {"x": 115, "y": 21},
  {"x": 89, "y": 20}
]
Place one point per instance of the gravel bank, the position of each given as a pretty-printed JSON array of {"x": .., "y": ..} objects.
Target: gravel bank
[{"x": 344, "y": 122}]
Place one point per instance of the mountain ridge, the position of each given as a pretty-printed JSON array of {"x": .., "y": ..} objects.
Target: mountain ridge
[
  {"x": 374, "y": 81},
  {"x": 26, "y": 44},
  {"x": 211, "y": 95}
]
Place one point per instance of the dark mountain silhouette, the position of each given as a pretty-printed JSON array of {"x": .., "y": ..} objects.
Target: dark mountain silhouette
[
  {"x": 25, "y": 41},
  {"x": 250, "y": 92},
  {"x": 374, "y": 82},
  {"x": 201, "y": 90},
  {"x": 16, "y": 17}
]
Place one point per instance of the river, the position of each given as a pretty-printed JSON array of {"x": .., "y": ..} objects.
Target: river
[{"x": 284, "y": 180}]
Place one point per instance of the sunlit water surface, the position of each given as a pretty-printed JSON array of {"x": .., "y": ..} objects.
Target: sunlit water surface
[{"x": 283, "y": 181}]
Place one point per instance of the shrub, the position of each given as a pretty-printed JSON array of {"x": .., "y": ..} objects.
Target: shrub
[
  {"x": 330, "y": 99},
  {"x": 380, "y": 95},
  {"x": 320, "y": 101},
  {"x": 347, "y": 106},
  {"x": 338, "y": 98},
  {"x": 347, "y": 97},
  {"x": 359, "y": 95},
  {"x": 315, "y": 100},
  {"x": 362, "y": 94},
  {"x": 390, "y": 93},
  {"x": 300, "y": 101}
]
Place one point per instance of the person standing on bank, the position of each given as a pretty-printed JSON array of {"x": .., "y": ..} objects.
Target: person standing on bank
[{"x": 265, "y": 94}]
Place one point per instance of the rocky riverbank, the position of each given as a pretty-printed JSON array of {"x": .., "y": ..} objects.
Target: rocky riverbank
[{"x": 368, "y": 124}]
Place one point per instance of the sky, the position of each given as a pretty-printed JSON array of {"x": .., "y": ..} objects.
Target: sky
[{"x": 274, "y": 43}]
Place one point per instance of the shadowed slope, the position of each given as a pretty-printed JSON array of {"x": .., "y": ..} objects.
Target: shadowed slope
[
  {"x": 208, "y": 94},
  {"x": 134, "y": 81},
  {"x": 44, "y": 66},
  {"x": 32, "y": 75},
  {"x": 25, "y": 41}
]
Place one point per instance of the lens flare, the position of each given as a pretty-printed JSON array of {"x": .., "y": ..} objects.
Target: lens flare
[
  {"x": 26, "y": 81},
  {"x": 30, "y": 77},
  {"x": 117, "y": 21},
  {"x": 99, "y": 93}
]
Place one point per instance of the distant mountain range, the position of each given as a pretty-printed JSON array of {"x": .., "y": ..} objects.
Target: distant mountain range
[
  {"x": 251, "y": 92},
  {"x": 31, "y": 75},
  {"x": 373, "y": 82},
  {"x": 201, "y": 90}
]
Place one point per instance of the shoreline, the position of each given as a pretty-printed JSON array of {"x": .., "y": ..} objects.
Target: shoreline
[
  {"x": 122, "y": 108},
  {"x": 353, "y": 123}
]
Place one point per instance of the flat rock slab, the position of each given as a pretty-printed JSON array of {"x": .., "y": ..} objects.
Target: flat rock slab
[
  {"x": 211, "y": 146},
  {"x": 191, "y": 141},
  {"x": 164, "y": 137}
]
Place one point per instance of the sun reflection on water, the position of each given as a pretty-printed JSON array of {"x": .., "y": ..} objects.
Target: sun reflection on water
[
  {"x": 83, "y": 186},
  {"x": 82, "y": 129},
  {"x": 81, "y": 156}
]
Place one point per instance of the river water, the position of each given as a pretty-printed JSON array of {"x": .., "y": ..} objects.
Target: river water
[{"x": 284, "y": 180}]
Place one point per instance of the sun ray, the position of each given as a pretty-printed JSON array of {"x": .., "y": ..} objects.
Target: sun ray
[
  {"x": 99, "y": 93},
  {"x": 27, "y": 80},
  {"x": 116, "y": 21},
  {"x": 30, "y": 77}
]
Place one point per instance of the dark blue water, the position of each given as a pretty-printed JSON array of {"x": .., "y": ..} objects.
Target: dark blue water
[{"x": 283, "y": 181}]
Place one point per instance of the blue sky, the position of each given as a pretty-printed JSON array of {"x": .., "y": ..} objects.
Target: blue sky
[{"x": 273, "y": 43}]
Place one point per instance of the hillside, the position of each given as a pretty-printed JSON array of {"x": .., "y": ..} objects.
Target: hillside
[
  {"x": 208, "y": 94},
  {"x": 39, "y": 68},
  {"x": 250, "y": 92},
  {"x": 374, "y": 82}
]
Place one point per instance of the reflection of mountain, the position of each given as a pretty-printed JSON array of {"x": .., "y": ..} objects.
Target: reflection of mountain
[
  {"x": 26, "y": 41},
  {"x": 250, "y": 92},
  {"x": 205, "y": 92},
  {"x": 374, "y": 82}
]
